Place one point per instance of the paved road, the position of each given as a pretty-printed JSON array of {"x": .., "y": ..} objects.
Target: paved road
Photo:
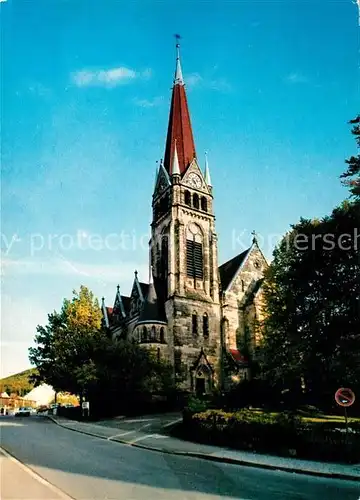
[
  {"x": 88, "y": 468},
  {"x": 158, "y": 423}
]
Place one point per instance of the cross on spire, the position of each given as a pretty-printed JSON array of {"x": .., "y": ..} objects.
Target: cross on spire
[{"x": 254, "y": 235}]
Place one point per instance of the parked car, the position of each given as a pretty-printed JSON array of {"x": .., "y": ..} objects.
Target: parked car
[{"x": 23, "y": 412}]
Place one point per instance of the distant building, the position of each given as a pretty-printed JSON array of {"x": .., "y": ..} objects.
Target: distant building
[
  {"x": 192, "y": 312},
  {"x": 42, "y": 395}
]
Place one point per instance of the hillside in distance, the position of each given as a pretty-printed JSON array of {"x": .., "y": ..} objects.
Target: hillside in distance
[{"x": 18, "y": 383}]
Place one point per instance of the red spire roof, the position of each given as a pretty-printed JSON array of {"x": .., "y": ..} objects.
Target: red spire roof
[{"x": 179, "y": 128}]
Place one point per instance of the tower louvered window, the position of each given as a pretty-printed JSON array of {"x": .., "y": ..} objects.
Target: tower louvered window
[{"x": 194, "y": 259}]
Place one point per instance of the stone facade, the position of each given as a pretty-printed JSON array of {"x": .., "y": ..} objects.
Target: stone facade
[{"x": 193, "y": 312}]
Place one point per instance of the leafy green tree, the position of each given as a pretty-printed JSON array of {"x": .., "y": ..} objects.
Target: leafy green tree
[
  {"x": 352, "y": 175},
  {"x": 74, "y": 353},
  {"x": 312, "y": 294},
  {"x": 65, "y": 346}
]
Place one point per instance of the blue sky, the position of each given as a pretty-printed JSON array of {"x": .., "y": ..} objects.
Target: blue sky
[{"x": 86, "y": 89}]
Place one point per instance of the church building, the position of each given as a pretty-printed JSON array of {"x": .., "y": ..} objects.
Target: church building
[{"x": 194, "y": 313}]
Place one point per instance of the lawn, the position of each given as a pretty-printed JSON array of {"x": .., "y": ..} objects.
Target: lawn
[{"x": 316, "y": 417}]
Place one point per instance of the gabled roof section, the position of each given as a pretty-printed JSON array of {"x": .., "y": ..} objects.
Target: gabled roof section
[
  {"x": 118, "y": 304},
  {"x": 194, "y": 168},
  {"x": 162, "y": 181},
  {"x": 179, "y": 127},
  {"x": 136, "y": 290},
  {"x": 230, "y": 269},
  {"x": 202, "y": 360}
]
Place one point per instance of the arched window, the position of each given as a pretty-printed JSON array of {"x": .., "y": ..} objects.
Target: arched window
[
  {"x": 195, "y": 200},
  {"x": 204, "y": 204},
  {"x": 162, "y": 335},
  {"x": 153, "y": 334},
  {"x": 144, "y": 334},
  {"x": 187, "y": 198},
  {"x": 194, "y": 324},
  {"x": 242, "y": 285},
  {"x": 194, "y": 253},
  {"x": 205, "y": 326}
]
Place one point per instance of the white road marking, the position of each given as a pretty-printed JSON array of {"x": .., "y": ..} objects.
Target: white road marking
[
  {"x": 10, "y": 424},
  {"x": 143, "y": 427},
  {"x": 119, "y": 435},
  {"x": 36, "y": 476},
  {"x": 173, "y": 422},
  {"x": 139, "y": 420},
  {"x": 141, "y": 438}
]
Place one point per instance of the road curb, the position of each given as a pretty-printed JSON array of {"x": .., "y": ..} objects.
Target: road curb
[{"x": 204, "y": 456}]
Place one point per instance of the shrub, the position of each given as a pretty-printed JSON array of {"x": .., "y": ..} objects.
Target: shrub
[
  {"x": 196, "y": 405},
  {"x": 288, "y": 419},
  {"x": 284, "y": 434}
]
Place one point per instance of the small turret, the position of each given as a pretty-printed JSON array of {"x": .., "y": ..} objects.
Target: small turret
[{"x": 207, "y": 171}]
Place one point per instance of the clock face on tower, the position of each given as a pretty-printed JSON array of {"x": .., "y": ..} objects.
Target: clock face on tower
[{"x": 194, "y": 180}]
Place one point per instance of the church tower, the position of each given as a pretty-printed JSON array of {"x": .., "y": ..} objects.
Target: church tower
[
  {"x": 192, "y": 312},
  {"x": 183, "y": 251}
]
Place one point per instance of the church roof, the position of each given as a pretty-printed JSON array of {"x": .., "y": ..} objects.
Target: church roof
[
  {"x": 229, "y": 269},
  {"x": 126, "y": 303},
  {"x": 179, "y": 128},
  {"x": 152, "y": 310}
]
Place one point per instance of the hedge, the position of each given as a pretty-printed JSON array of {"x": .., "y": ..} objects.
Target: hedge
[{"x": 284, "y": 434}]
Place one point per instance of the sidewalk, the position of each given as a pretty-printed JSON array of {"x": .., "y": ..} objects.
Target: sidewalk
[{"x": 168, "y": 444}]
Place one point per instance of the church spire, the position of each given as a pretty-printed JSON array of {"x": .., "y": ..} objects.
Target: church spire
[
  {"x": 179, "y": 128},
  {"x": 178, "y": 73}
]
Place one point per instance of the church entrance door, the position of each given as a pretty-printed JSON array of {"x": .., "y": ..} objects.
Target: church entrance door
[{"x": 200, "y": 386}]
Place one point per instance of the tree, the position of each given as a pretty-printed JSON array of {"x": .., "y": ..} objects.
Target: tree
[
  {"x": 312, "y": 295},
  {"x": 64, "y": 347},
  {"x": 352, "y": 174},
  {"x": 75, "y": 354}
]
